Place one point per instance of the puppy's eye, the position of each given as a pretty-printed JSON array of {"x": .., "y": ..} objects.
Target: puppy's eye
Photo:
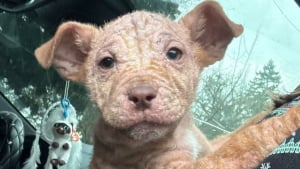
[
  {"x": 174, "y": 53},
  {"x": 107, "y": 63}
]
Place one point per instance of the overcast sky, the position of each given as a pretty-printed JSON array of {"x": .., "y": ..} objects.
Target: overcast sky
[{"x": 275, "y": 24}]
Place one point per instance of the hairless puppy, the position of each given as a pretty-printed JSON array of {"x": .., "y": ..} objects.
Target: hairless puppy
[{"x": 142, "y": 71}]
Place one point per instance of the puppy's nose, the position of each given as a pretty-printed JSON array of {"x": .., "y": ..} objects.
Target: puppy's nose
[{"x": 142, "y": 96}]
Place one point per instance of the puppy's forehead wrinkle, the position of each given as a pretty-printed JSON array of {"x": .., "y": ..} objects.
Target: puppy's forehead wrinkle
[
  {"x": 155, "y": 73},
  {"x": 137, "y": 23},
  {"x": 140, "y": 26}
]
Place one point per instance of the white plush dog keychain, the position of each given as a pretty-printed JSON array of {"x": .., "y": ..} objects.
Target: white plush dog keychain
[
  {"x": 59, "y": 129},
  {"x": 59, "y": 151}
]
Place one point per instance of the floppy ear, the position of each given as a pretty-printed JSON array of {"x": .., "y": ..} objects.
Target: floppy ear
[
  {"x": 211, "y": 30},
  {"x": 67, "y": 50}
]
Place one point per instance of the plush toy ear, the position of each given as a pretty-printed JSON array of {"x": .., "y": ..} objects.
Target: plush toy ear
[
  {"x": 211, "y": 30},
  {"x": 67, "y": 50}
]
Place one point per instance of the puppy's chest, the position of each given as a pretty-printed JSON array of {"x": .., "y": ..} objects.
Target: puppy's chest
[{"x": 177, "y": 155}]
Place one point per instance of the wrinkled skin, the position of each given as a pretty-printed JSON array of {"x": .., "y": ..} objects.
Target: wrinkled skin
[
  {"x": 140, "y": 55},
  {"x": 142, "y": 71}
]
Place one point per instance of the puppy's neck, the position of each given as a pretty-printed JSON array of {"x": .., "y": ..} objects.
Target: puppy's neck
[{"x": 111, "y": 145}]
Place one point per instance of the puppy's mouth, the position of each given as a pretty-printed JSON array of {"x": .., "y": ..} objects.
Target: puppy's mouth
[
  {"x": 150, "y": 121},
  {"x": 159, "y": 114}
]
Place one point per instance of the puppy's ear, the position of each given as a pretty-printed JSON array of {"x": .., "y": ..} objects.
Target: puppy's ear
[
  {"x": 68, "y": 50},
  {"x": 211, "y": 30}
]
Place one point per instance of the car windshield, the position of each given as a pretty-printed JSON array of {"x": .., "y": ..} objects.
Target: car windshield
[{"x": 261, "y": 62}]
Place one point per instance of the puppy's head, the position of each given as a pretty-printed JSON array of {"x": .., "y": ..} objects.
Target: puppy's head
[{"x": 141, "y": 69}]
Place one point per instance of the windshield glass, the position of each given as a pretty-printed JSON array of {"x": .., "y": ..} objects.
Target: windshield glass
[{"x": 260, "y": 62}]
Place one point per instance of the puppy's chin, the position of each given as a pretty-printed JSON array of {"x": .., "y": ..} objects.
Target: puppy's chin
[{"x": 148, "y": 132}]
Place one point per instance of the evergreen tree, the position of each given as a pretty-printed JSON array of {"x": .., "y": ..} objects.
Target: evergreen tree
[{"x": 265, "y": 82}]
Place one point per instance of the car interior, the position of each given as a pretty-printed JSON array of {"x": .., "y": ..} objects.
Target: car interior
[{"x": 24, "y": 24}]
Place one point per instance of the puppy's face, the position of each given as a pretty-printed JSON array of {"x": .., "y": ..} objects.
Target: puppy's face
[
  {"x": 142, "y": 74},
  {"x": 141, "y": 69}
]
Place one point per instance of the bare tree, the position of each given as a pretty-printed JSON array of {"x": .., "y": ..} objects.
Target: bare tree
[{"x": 227, "y": 100}]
